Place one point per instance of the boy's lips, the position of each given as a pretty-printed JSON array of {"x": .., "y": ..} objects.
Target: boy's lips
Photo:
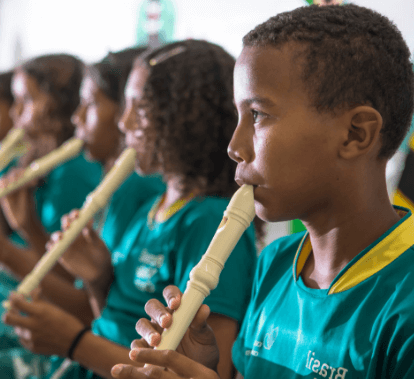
[{"x": 241, "y": 181}]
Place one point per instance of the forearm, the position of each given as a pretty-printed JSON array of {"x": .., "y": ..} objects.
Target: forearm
[
  {"x": 100, "y": 355},
  {"x": 98, "y": 293},
  {"x": 225, "y": 331},
  {"x": 34, "y": 233},
  {"x": 57, "y": 289}
]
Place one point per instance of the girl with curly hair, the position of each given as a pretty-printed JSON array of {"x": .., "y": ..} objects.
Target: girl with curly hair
[{"x": 179, "y": 117}]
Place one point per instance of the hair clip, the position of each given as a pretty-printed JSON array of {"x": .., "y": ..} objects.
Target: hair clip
[{"x": 168, "y": 54}]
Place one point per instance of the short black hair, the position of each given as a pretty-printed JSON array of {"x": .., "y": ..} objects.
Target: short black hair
[
  {"x": 5, "y": 86},
  {"x": 111, "y": 73},
  {"x": 352, "y": 56}
]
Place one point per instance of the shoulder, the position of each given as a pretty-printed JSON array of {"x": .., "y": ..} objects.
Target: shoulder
[
  {"x": 204, "y": 209},
  {"x": 79, "y": 167}
]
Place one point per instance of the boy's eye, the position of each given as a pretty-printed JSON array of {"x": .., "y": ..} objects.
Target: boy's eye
[{"x": 255, "y": 115}]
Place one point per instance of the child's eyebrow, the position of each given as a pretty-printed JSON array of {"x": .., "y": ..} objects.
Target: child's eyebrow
[{"x": 264, "y": 101}]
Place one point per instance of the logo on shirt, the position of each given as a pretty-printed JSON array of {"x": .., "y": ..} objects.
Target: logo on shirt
[
  {"x": 149, "y": 266},
  {"x": 267, "y": 343},
  {"x": 270, "y": 338}
]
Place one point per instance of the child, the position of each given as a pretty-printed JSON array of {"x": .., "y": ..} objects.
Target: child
[
  {"x": 324, "y": 96},
  {"x": 179, "y": 117},
  {"x": 46, "y": 92},
  {"x": 96, "y": 120},
  {"x": 6, "y": 101}
]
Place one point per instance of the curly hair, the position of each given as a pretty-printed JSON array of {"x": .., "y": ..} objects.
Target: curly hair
[
  {"x": 5, "y": 86},
  {"x": 190, "y": 99},
  {"x": 111, "y": 73},
  {"x": 59, "y": 75},
  {"x": 352, "y": 55}
]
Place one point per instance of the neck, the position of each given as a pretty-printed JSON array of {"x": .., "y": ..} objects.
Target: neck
[
  {"x": 109, "y": 163},
  {"x": 175, "y": 192},
  {"x": 340, "y": 232}
]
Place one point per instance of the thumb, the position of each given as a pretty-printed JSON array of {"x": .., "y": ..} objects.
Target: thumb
[
  {"x": 199, "y": 324},
  {"x": 36, "y": 294},
  {"x": 89, "y": 233}
]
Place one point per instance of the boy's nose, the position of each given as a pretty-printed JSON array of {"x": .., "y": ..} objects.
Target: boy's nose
[{"x": 240, "y": 149}]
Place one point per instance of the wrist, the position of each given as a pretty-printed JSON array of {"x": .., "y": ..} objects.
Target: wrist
[{"x": 76, "y": 340}]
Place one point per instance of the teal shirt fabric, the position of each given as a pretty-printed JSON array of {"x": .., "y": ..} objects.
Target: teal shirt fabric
[
  {"x": 292, "y": 331},
  {"x": 64, "y": 188},
  {"x": 147, "y": 260},
  {"x": 124, "y": 204}
]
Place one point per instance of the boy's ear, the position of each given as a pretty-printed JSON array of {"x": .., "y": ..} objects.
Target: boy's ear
[{"x": 363, "y": 132}]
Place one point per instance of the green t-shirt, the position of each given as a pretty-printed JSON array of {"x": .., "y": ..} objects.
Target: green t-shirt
[
  {"x": 64, "y": 188},
  {"x": 148, "y": 258},
  {"x": 124, "y": 204},
  {"x": 361, "y": 327}
]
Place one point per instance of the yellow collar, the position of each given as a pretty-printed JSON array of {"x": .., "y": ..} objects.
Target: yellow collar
[
  {"x": 155, "y": 216},
  {"x": 367, "y": 263}
]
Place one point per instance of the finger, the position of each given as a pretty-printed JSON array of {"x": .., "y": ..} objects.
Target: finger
[
  {"x": 73, "y": 215},
  {"x": 36, "y": 294},
  {"x": 139, "y": 343},
  {"x": 87, "y": 235},
  {"x": 172, "y": 296},
  {"x": 200, "y": 319},
  {"x": 19, "y": 302},
  {"x": 158, "y": 312},
  {"x": 149, "y": 331},
  {"x": 170, "y": 359},
  {"x": 54, "y": 237},
  {"x": 16, "y": 319},
  {"x": 127, "y": 372},
  {"x": 27, "y": 343},
  {"x": 67, "y": 219},
  {"x": 23, "y": 333}
]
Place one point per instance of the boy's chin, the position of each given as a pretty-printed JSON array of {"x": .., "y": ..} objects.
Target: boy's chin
[{"x": 269, "y": 215}]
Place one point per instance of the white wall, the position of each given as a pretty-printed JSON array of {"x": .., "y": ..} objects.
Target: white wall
[{"x": 90, "y": 28}]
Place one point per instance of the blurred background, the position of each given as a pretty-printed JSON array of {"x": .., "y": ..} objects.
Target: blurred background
[{"x": 91, "y": 28}]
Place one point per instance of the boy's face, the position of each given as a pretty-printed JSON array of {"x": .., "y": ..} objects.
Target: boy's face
[{"x": 281, "y": 144}]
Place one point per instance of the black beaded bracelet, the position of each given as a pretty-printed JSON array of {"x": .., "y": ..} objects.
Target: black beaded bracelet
[{"x": 76, "y": 341}]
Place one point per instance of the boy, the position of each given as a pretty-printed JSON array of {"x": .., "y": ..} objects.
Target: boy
[{"x": 325, "y": 97}]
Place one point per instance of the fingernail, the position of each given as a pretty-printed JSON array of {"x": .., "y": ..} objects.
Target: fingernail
[
  {"x": 172, "y": 301},
  {"x": 133, "y": 354},
  {"x": 162, "y": 320},
  {"x": 116, "y": 370},
  {"x": 153, "y": 337}
]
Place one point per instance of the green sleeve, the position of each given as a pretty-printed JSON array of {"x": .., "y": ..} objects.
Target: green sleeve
[{"x": 66, "y": 188}]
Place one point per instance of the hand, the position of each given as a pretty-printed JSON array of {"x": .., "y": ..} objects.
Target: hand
[
  {"x": 87, "y": 257},
  {"x": 198, "y": 343},
  {"x": 45, "y": 329},
  {"x": 177, "y": 366},
  {"x": 19, "y": 206}
]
